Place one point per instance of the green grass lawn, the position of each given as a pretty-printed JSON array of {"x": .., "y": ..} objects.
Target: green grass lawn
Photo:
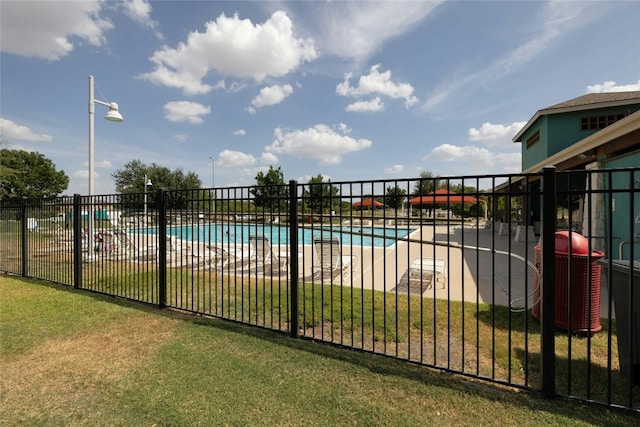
[{"x": 73, "y": 358}]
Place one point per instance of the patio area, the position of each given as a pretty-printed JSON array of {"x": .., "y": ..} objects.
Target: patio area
[{"x": 480, "y": 265}]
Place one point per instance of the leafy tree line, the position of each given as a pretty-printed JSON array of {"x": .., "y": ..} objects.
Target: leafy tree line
[
  {"x": 130, "y": 183},
  {"x": 319, "y": 196},
  {"x": 29, "y": 174},
  {"x": 271, "y": 193},
  {"x": 130, "y": 178}
]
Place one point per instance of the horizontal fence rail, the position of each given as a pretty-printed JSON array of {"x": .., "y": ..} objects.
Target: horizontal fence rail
[{"x": 527, "y": 280}]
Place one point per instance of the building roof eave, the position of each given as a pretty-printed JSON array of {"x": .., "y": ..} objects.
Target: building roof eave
[
  {"x": 608, "y": 134},
  {"x": 583, "y": 103},
  {"x": 531, "y": 121}
]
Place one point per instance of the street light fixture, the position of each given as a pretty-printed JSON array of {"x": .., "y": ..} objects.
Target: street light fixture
[
  {"x": 113, "y": 116},
  {"x": 213, "y": 182},
  {"x": 147, "y": 182}
]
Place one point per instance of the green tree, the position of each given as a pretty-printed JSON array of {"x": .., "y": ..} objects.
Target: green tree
[
  {"x": 427, "y": 183},
  {"x": 465, "y": 209},
  {"x": 271, "y": 193},
  {"x": 29, "y": 174},
  {"x": 130, "y": 178},
  {"x": 320, "y": 196},
  {"x": 130, "y": 183},
  {"x": 394, "y": 197}
]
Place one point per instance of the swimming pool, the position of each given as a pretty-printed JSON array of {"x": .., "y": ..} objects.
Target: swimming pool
[{"x": 239, "y": 234}]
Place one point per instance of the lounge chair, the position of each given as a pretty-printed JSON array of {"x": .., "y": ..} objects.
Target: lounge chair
[
  {"x": 127, "y": 249},
  {"x": 179, "y": 252},
  {"x": 428, "y": 270},
  {"x": 264, "y": 258},
  {"x": 224, "y": 258},
  {"x": 216, "y": 258},
  {"x": 32, "y": 225},
  {"x": 329, "y": 263},
  {"x": 64, "y": 236}
]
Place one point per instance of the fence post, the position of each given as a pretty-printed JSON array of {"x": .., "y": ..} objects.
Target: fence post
[
  {"x": 548, "y": 277},
  {"x": 24, "y": 238},
  {"x": 162, "y": 247},
  {"x": 77, "y": 241},
  {"x": 293, "y": 258}
]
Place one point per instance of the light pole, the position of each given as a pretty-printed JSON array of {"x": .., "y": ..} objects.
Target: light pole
[
  {"x": 114, "y": 116},
  {"x": 147, "y": 182},
  {"x": 213, "y": 181}
]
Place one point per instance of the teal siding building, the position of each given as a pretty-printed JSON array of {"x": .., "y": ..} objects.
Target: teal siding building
[{"x": 594, "y": 132}]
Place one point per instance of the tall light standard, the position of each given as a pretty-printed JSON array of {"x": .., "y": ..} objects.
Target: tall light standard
[
  {"x": 213, "y": 182},
  {"x": 147, "y": 182},
  {"x": 114, "y": 116},
  {"x": 213, "y": 171}
]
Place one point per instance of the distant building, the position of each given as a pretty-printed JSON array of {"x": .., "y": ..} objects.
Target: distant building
[
  {"x": 596, "y": 131},
  {"x": 598, "y": 127}
]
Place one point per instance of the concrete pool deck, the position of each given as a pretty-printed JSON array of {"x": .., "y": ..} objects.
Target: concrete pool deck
[
  {"x": 481, "y": 266},
  {"x": 470, "y": 274}
]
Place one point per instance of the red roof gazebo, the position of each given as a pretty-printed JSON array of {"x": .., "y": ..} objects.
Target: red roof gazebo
[
  {"x": 368, "y": 203},
  {"x": 442, "y": 196}
]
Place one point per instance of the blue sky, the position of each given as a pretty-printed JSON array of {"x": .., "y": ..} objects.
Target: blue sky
[{"x": 349, "y": 90}]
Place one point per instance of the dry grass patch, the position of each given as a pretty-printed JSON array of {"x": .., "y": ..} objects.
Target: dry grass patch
[
  {"x": 91, "y": 362},
  {"x": 54, "y": 377}
]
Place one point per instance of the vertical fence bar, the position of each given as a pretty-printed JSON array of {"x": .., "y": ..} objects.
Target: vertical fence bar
[
  {"x": 77, "y": 241},
  {"x": 24, "y": 241},
  {"x": 547, "y": 301},
  {"x": 293, "y": 260},
  {"x": 162, "y": 247}
]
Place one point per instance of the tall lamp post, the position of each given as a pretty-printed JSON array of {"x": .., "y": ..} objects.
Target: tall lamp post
[
  {"x": 213, "y": 181},
  {"x": 114, "y": 116},
  {"x": 147, "y": 182}
]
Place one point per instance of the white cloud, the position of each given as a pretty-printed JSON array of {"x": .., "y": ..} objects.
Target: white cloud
[
  {"x": 474, "y": 160},
  {"x": 495, "y": 134},
  {"x": 395, "y": 169},
  {"x": 610, "y": 86},
  {"x": 45, "y": 29},
  {"x": 269, "y": 158},
  {"x": 356, "y": 30},
  {"x": 342, "y": 127},
  {"x": 306, "y": 178},
  {"x": 83, "y": 174},
  {"x": 20, "y": 147},
  {"x": 271, "y": 95},
  {"x": 377, "y": 83},
  {"x": 229, "y": 159},
  {"x": 235, "y": 87},
  {"x": 10, "y": 130},
  {"x": 185, "y": 111},
  {"x": 181, "y": 137},
  {"x": 319, "y": 142},
  {"x": 373, "y": 105},
  {"x": 557, "y": 19},
  {"x": 240, "y": 132},
  {"x": 99, "y": 164},
  {"x": 232, "y": 47},
  {"x": 102, "y": 164},
  {"x": 251, "y": 172},
  {"x": 140, "y": 12}
]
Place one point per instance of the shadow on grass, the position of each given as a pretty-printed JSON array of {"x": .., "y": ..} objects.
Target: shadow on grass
[
  {"x": 580, "y": 378},
  {"x": 389, "y": 366},
  {"x": 385, "y": 365}
]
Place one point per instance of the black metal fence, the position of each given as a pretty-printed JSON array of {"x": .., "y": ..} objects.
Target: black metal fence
[{"x": 523, "y": 280}]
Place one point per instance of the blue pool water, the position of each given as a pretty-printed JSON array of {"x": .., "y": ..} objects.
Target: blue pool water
[{"x": 239, "y": 233}]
